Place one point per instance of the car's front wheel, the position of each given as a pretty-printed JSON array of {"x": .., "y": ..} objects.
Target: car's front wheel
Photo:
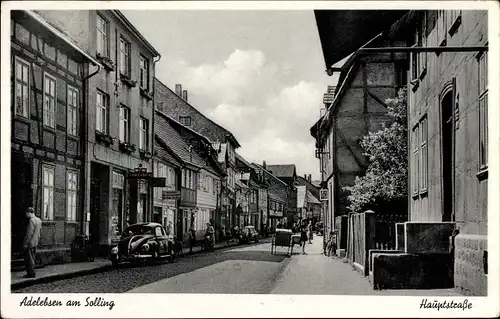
[
  {"x": 115, "y": 261},
  {"x": 155, "y": 257}
]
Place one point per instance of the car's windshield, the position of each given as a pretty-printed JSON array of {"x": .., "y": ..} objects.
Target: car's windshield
[{"x": 137, "y": 230}]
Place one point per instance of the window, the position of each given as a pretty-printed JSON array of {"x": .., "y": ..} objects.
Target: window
[
  {"x": 48, "y": 193},
  {"x": 198, "y": 186},
  {"x": 143, "y": 134},
  {"x": 49, "y": 105},
  {"x": 102, "y": 36},
  {"x": 185, "y": 120},
  {"x": 118, "y": 180},
  {"x": 158, "y": 232},
  {"x": 171, "y": 177},
  {"x": 22, "y": 75},
  {"x": 72, "y": 111},
  {"x": 441, "y": 28},
  {"x": 124, "y": 57},
  {"x": 101, "y": 124},
  {"x": 423, "y": 155},
  {"x": 420, "y": 163},
  {"x": 124, "y": 124},
  {"x": 144, "y": 77},
  {"x": 415, "y": 161},
  {"x": 71, "y": 194},
  {"x": 419, "y": 59},
  {"x": 483, "y": 110}
]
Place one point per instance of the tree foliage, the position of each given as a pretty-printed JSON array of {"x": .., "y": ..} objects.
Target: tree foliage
[{"x": 386, "y": 178}]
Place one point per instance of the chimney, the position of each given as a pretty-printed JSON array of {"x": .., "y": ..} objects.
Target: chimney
[
  {"x": 178, "y": 89},
  {"x": 305, "y": 176},
  {"x": 185, "y": 95},
  {"x": 264, "y": 164},
  {"x": 309, "y": 178}
]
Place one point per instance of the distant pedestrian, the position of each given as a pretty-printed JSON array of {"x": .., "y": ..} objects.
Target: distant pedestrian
[
  {"x": 210, "y": 236},
  {"x": 310, "y": 231},
  {"x": 31, "y": 239},
  {"x": 192, "y": 239},
  {"x": 332, "y": 243},
  {"x": 303, "y": 237}
]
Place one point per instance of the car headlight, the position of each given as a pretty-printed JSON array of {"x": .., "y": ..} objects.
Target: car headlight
[
  {"x": 145, "y": 247},
  {"x": 114, "y": 250}
]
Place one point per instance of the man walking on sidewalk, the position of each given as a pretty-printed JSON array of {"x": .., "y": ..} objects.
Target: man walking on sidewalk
[{"x": 31, "y": 239}]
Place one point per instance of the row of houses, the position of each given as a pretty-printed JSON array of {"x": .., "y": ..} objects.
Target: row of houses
[
  {"x": 440, "y": 58},
  {"x": 98, "y": 142}
]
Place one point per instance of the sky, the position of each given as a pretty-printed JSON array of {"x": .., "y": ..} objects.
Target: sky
[{"x": 259, "y": 74}]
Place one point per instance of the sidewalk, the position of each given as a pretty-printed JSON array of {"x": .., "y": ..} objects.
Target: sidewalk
[
  {"x": 315, "y": 273},
  {"x": 63, "y": 271}
]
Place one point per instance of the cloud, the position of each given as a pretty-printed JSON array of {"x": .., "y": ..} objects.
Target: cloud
[{"x": 249, "y": 96}]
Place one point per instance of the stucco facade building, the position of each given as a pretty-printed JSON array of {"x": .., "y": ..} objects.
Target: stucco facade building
[{"x": 176, "y": 105}]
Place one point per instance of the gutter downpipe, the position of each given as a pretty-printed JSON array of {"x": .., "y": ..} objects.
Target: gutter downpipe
[
  {"x": 151, "y": 190},
  {"x": 85, "y": 226}
]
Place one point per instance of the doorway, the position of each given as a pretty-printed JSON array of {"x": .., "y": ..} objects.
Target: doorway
[
  {"x": 95, "y": 210},
  {"x": 447, "y": 155},
  {"x": 21, "y": 198}
]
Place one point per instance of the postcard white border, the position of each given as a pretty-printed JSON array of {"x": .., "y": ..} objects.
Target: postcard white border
[{"x": 207, "y": 306}]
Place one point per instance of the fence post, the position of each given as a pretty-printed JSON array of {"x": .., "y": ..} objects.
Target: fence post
[
  {"x": 349, "y": 238},
  {"x": 369, "y": 242}
]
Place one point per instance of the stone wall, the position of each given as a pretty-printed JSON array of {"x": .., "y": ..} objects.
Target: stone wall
[{"x": 471, "y": 264}]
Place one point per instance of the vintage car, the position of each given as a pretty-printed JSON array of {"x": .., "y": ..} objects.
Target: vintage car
[
  {"x": 248, "y": 234},
  {"x": 145, "y": 241}
]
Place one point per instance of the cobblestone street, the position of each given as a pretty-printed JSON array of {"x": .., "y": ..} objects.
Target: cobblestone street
[{"x": 244, "y": 269}]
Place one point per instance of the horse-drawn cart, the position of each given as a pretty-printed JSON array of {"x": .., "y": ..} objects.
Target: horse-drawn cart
[{"x": 284, "y": 238}]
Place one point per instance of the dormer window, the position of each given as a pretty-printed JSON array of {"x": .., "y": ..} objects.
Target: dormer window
[{"x": 185, "y": 120}]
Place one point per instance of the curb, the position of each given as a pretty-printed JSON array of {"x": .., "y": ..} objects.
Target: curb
[{"x": 56, "y": 277}]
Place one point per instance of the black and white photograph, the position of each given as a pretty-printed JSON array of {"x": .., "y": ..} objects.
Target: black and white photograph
[{"x": 250, "y": 159}]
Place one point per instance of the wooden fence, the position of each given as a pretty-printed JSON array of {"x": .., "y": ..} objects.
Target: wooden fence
[{"x": 370, "y": 230}]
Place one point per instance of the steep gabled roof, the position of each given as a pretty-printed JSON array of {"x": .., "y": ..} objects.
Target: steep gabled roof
[
  {"x": 242, "y": 160},
  {"x": 311, "y": 199},
  {"x": 268, "y": 173},
  {"x": 287, "y": 170},
  {"x": 276, "y": 196},
  {"x": 214, "y": 167},
  {"x": 230, "y": 135},
  {"x": 166, "y": 133},
  {"x": 165, "y": 153}
]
